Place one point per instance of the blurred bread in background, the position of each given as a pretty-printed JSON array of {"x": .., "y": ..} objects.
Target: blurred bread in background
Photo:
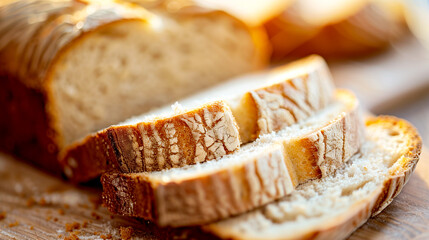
[
  {"x": 252, "y": 12},
  {"x": 336, "y": 28},
  {"x": 417, "y": 17}
]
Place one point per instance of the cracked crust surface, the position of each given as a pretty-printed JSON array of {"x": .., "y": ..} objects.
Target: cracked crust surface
[
  {"x": 306, "y": 88},
  {"x": 259, "y": 173},
  {"x": 382, "y": 168},
  {"x": 198, "y": 135}
]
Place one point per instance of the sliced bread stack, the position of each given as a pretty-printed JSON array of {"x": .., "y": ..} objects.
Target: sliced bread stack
[
  {"x": 322, "y": 175},
  {"x": 260, "y": 172},
  {"x": 69, "y": 68},
  {"x": 166, "y": 166}
]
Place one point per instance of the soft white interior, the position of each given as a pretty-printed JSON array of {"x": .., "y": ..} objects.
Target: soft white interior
[
  {"x": 130, "y": 67},
  {"x": 318, "y": 202},
  {"x": 251, "y": 151}
]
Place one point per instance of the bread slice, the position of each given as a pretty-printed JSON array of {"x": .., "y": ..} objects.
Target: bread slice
[
  {"x": 74, "y": 67},
  {"x": 291, "y": 94},
  {"x": 187, "y": 137},
  {"x": 334, "y": 206},
  {"x": 258, "y": 173}
]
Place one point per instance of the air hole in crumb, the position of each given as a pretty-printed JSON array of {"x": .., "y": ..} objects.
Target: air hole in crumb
[
  {"x": 351, "y": 174},
  {"x": 349, "y": 190},
  {"x": 393, "y": 133}
]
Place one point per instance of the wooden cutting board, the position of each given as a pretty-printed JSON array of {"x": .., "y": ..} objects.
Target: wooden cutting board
[{"x": 38, "y": 206}]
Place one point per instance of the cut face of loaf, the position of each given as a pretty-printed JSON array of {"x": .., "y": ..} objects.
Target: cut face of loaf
[
  {"x": 198, "y": 135},
  {"x": 131, "y": 67},
  {"x": 258, "y": 173},
  {"x": 93, "y": 65},
  {"x": 288, "y": 95},
  {"x": 334, "y": 206}
]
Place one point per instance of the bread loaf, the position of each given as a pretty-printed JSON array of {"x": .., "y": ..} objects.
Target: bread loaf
[
  {"x": 258, "y": 173},
  {"x": 69, "y": 68},
  {"x": 334, "y": 206},
  {"x": 288, "y": 95}
]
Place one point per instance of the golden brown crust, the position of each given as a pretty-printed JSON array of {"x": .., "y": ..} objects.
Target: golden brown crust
[
  {"x": 259, "y": 178},
  {"x": 25, "y": 129},
  {"x": 295, "y": 98},
  {"x": 202, "y": 134},
  {"x": 322, "y": 152},
  {"x": 400, "y": 172},
  {"x": 300, "y": 90}
]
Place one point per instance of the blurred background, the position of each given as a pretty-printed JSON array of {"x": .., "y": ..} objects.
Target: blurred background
[{"x": 377, "y": 48}]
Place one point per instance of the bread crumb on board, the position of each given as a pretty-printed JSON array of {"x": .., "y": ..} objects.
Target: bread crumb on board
[
  {"x": 14, "y": 224},
  {"x": 43, "y": 202},
  {"x": 2, "y": 215},
  {"x": 72, "y": 226},
  {"x": 85, "y": 224},
  {"x": 126, "y": 232},
  {"x": 30, "y": 202}
]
